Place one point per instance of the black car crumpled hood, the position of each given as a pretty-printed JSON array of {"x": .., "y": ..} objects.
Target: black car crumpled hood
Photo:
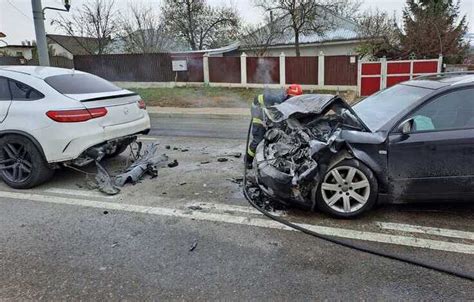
[
  {"x": 305, "y": 134},
  {"x": 303, "y": 105}
]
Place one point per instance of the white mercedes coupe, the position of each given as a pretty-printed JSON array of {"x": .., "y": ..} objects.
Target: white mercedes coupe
[{"x": 50, "y": 117}]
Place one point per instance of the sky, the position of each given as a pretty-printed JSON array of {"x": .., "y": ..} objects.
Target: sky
[{"x": 16, "y": 19}]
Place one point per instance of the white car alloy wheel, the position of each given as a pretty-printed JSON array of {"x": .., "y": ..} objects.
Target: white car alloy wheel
[
  {"x": 345, "y": 189},
  {"x": 16, "y": 164}
]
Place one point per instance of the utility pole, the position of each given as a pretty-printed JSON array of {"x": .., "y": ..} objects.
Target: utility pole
[
  {"x": 41, "y": 43},
  {"x": 38, "y": 16}
]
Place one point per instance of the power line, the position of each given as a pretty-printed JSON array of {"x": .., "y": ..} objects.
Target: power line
[{"x": 19, "y": 10}]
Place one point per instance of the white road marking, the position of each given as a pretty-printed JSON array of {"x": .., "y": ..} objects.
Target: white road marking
[
  {"x": 152, "y": 139},
  {"x": 426, "y": 230},
  {"x": 73, "y": 192},
  {"x": 231, "y": 208},
  {"x": 248, "y": 221},
  {"x": 223, "y": 207}
]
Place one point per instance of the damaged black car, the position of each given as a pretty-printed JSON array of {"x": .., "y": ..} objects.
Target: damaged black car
[{"x": 411, "y": 142}]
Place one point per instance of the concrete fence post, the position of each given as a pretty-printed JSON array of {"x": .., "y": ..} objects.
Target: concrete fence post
[
  {"x": 321, "y": 69},
  {"x": 282, "y": 69},
  {"x": 383, "y": 80},
  {"x": 359, "y": 77},
  {"x": 243, "y": 69},
  {"x": 205, "y": 67},
  {"x": 440, "y": 63}
]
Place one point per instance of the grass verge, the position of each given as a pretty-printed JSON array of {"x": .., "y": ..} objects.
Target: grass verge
[{"x": 198, "y": 97}]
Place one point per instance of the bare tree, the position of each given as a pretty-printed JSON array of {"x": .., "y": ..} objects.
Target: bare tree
[
  {"x": 349, "y": 9},
  {"x": 303, "y": 17},
  {"x": 94, "y": 19},
  {"x": 200, "y": 25},
  {"x": 143, "y": 31},
  {"x": 260, "y": 37},
  {"x": 380, "y": 34}
]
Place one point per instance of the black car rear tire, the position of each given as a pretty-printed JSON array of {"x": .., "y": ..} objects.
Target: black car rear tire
[
  {"x": 22, "y": 166},
  {"x": 347, "y": 190}
]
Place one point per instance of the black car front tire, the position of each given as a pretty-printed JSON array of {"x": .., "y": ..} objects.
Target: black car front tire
[{"x": 347, "y": 190}]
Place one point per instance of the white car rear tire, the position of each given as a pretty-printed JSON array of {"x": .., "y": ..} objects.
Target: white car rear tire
[{"x": 22, "y": 166}]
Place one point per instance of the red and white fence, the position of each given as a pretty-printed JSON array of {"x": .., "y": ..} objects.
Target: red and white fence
[{"x": 375, "y": 76}]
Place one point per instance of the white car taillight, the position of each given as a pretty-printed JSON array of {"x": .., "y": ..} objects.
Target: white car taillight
[
  {"x": 76, "y": 115},
  {"x": 141, "y": 104}
]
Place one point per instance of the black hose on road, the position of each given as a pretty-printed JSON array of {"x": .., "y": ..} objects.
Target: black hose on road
[{"x": 334, "y": 240}]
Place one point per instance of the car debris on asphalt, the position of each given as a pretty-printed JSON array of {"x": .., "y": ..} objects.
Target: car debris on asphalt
[
  {"x": 146, "y": 163},
  {"x": 236, "y": 180},
  {"x": 193, "y": 246},
  {"x": 195, "y": 208},
  {"x": 234, "y": 154},
  {"x": 173, "y": 164},
  {"x": 105, "y": 183}
]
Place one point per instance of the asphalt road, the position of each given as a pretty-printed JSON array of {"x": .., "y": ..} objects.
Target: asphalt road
[
  {"x": 231, "y": 128},
  {"x": 189, "y": 235},
  {"x": 56, "y": 252}
]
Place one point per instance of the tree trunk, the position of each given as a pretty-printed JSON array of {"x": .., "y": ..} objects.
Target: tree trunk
[
  {"x": 193, "y": 44},
  {"x": 192, "y": 38},
  {"x": 297, "y": 43}
]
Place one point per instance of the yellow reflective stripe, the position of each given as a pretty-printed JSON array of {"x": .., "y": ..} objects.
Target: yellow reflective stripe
[
  {"x": 250, "y": 152},
  {"x": 261, "y": 100},
  {"x": 256, "y": 120}
]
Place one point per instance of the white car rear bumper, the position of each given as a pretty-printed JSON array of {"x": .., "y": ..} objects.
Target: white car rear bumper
[{"x": 60, "y": 147}]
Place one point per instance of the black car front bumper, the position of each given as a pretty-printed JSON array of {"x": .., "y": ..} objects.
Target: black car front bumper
[{"x": 271, "y": 181}]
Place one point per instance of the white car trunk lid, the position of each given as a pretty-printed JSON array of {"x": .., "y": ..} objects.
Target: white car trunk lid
[{"x": 122, "y": 106}]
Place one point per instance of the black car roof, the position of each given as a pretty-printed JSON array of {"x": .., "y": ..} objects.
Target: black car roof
[{"x": 437, "y": 81}]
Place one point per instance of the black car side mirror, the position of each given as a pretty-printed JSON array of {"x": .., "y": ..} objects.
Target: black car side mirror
[{"x": 407, "y": 126}]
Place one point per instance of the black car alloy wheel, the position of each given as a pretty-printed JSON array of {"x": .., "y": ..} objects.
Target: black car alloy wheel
[{"x": 347, "y": 189}]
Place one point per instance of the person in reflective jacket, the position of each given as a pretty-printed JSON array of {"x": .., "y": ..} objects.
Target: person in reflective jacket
[{"x": 258, "y": 117}]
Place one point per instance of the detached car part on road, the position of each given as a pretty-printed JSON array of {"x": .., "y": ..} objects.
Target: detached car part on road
[
  {"x": 412, "y": 141},
  {"x": 53, "y": 116}
]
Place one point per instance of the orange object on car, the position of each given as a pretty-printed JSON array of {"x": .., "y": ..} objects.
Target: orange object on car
[{"x": 294, "y": 90}]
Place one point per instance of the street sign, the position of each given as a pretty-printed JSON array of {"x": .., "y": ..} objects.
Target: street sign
[{"x": 180, "y": 65}]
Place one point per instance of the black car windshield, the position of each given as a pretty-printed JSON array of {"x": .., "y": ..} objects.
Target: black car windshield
[
  {"x": 378, "y": 109},
  {"x": 80, "y": 83}
]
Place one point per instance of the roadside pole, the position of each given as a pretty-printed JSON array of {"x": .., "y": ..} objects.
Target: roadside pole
[{"x": 41, "y": 44}]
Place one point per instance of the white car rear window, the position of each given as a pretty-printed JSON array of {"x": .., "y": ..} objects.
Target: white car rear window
[{"x": 80, "y": 84}]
